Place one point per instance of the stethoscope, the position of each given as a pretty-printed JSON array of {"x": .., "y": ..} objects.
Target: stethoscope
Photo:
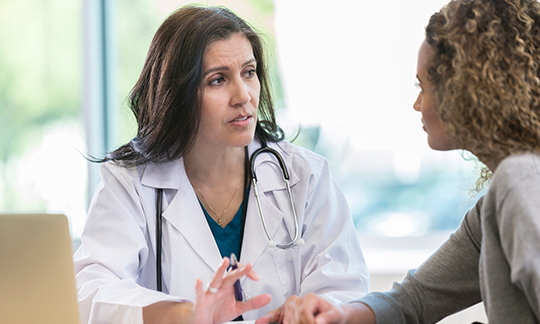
[{"x": 296, "y": 241}]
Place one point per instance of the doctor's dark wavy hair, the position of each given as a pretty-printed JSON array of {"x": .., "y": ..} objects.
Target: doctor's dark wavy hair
[
  {"x": 486, "y": 72},
  {"x": 165, "y": 100}
]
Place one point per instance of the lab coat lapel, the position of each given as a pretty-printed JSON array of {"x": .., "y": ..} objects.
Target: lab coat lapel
[
  {"x": 186, "y": 215},
  {"x": 184, "y": 212},
  {"x": 270, "y": 179}
]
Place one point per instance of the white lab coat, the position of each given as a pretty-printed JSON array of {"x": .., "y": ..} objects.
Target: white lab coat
[{"x": 115, "y": 264}]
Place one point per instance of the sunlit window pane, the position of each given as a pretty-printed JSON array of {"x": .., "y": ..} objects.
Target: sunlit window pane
[
  {"x": 348, "y": 72},
  {"x": 343, "y": 75},
  {"x": 41, "y": 134}
]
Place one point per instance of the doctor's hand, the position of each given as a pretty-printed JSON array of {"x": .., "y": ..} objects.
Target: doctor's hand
[
  {"x": 217, "y": 303},
  {"x": 315, "y": 310}
]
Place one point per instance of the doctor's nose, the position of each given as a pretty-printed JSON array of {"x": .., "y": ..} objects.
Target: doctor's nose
[{"x": 240, "y": 94}]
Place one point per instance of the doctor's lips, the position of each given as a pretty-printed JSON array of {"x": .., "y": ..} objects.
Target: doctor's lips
[{"x": 241, "y": 119}]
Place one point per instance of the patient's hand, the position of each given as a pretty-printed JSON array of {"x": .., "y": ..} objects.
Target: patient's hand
[{"x": 315, "y": 310}]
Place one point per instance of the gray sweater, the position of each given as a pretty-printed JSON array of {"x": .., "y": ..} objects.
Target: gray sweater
[{"x": 494, "y": 257}]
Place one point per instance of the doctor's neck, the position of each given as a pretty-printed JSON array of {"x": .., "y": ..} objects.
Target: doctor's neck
[{"x": 212, "y": 166}]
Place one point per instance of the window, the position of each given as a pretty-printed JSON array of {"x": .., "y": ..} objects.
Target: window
[
  {"x": 344, "y": 76},
  {"x": 348, "y": 70},
  {"x": 41, "y": 168}
]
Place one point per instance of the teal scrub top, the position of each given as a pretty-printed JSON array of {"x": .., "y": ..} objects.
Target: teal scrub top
[{"x": 228, "y": 239}]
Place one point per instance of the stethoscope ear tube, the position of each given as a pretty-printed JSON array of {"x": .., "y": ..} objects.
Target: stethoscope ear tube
[{"x": 266, "y": 149}]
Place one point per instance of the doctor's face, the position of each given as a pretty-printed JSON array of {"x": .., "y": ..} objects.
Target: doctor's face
[
  {"x": 425, "y": 103},
  {"x": 230, "y": 93}
]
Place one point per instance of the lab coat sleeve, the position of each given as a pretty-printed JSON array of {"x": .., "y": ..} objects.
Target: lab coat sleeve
[
  {"x": 113, "y": 251},
  {"x": 332, "y": 261}
]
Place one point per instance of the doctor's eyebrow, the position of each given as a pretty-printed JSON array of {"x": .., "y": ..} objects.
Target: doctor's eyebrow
[{"x": 226, "y": 68}]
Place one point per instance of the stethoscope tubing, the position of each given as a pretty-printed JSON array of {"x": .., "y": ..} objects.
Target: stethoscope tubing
[{"x": 159, "y": 229}]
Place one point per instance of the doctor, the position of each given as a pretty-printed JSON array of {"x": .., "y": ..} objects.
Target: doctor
[{"x": 203, "y": 106}]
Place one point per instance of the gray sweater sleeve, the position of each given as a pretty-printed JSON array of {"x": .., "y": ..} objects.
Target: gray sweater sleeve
[
  {"x": 510, "y": 262},
  {"x": 445, "y": 283}
]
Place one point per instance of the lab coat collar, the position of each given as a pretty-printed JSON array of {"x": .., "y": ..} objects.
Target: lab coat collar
[{"x": 167, "y": 175}]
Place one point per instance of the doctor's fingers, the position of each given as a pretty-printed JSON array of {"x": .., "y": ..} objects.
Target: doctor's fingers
[
  {"x": 233, "y": 275},
  {"x": 217, "y": 280},
  {"x": 254, "y": 303},
  {"x": 199, "y": 291},
  {"x": 251, "y": 274}
]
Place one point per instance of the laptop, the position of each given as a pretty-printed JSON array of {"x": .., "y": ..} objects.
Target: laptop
[{"x": 37, "y": 280}]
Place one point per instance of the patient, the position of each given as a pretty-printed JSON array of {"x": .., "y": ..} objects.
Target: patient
[{"x": 479, "y": 76}]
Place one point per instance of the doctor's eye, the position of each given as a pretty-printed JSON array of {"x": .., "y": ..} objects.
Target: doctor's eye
[
  {"x": 250, "y": 73},
  {"x": 217, "y": 81}
]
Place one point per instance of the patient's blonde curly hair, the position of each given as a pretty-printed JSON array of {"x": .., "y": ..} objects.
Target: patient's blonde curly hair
[{"x": 486, "y": 72}]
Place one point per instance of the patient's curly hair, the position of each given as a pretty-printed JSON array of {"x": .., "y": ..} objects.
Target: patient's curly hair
[{"x": 486, "y": 75}]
